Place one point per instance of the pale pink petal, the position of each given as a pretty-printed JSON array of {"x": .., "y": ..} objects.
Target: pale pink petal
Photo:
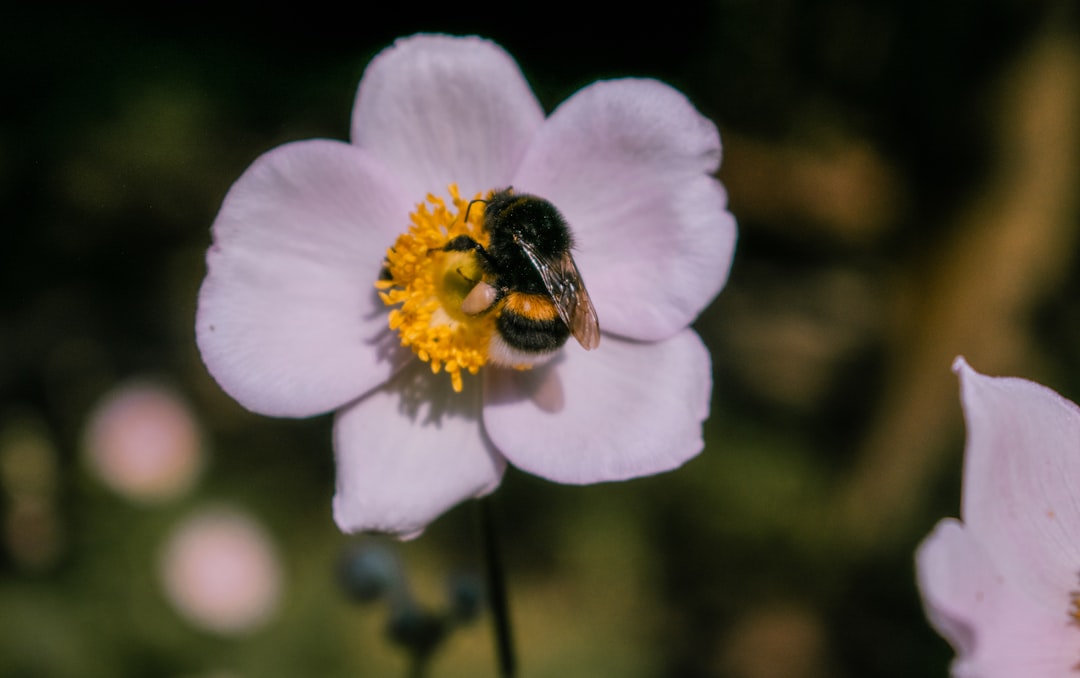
[
  {"x": 437, "y": 109},
  {"x": 288, "y": 321},
  {"x": 621, "y": 411},
  {"x": 996, "y": 630},
  {"x": 1021, "y": 497},
  {"x": 629, "y": 164},
  {"x": 410, "y": 451}
]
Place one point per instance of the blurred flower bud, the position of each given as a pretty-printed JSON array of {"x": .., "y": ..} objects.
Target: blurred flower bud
[
  {"x": 369, "y": 571},
  {"x": 143, "y": 442},
  {"x": 466, "y": 595},
  {"x": 221, "y": 573},
  {"x": 417, "y": 629}
]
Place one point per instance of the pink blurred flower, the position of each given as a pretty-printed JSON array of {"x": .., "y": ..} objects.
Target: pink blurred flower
[
  {"x": 221, "y": 571},
  {"x": 143, "y": 442},
  {"x": 290, "y": 325},
  {"x": 1002, "y": 585}
]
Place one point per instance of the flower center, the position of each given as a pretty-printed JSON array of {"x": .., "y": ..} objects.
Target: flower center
[{"x": 428, "y": 284}]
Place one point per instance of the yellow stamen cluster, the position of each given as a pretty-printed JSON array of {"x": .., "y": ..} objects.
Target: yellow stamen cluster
[{"x": 428, "y": 285}]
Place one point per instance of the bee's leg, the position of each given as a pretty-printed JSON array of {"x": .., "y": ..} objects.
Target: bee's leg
[{"x": 464, "y": 243}]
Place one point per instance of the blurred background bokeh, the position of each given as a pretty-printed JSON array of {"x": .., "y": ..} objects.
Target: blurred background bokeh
[{"x": 905, "y": 179}]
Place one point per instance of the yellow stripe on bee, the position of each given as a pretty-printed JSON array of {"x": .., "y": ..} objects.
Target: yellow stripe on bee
[{"x": 530, "y": 306}]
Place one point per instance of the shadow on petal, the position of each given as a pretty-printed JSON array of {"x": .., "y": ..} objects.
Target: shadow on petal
[
  {"x": 385, "y": 342},
  {"x": 428, "y": 399},
  {"x": 543, "y": 385}
]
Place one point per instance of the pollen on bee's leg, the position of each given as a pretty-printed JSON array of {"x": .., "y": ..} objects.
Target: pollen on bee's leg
[
  {"x": 438, "y": 312},
  {"x": 480, "y": 299}
]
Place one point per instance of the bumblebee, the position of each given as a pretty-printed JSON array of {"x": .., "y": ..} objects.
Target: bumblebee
[{"x": 530, "y": 279}]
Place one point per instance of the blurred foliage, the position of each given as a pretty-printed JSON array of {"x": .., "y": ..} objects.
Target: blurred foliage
[{"x": 904, "y": 177}]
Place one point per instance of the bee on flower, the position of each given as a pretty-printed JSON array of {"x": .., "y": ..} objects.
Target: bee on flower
[{"x": 469, "y": 282}]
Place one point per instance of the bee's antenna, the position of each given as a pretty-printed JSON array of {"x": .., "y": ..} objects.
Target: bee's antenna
[{"x": 471, "y": 203}]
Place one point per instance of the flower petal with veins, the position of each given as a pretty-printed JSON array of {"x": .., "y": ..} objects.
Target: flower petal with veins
[
  {"x": 437, "y": 110},
  {"x": 1000, "y": 586},
  {"x": 654, "y": 238},
  {"x": 628, "y": 409},
  {"x": 397, "y": 478},
  {"x": 288, "y": 322}
]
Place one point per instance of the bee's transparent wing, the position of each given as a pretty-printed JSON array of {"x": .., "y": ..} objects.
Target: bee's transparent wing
[{"x": 563, "y": 282}]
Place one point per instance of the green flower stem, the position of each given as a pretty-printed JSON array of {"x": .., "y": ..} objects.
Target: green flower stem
[
  {"x": 500, "y": 612},
  {"x": 418, "y": 668}
]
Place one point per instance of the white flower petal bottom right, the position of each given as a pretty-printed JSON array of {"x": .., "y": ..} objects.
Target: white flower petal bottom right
[{"x": 624, "y": 410}]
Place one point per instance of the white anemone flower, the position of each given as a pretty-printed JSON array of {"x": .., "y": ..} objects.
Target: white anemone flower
[
  {"x": 1001, "y": 584},
  {"x": 290, "y": 322}
]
